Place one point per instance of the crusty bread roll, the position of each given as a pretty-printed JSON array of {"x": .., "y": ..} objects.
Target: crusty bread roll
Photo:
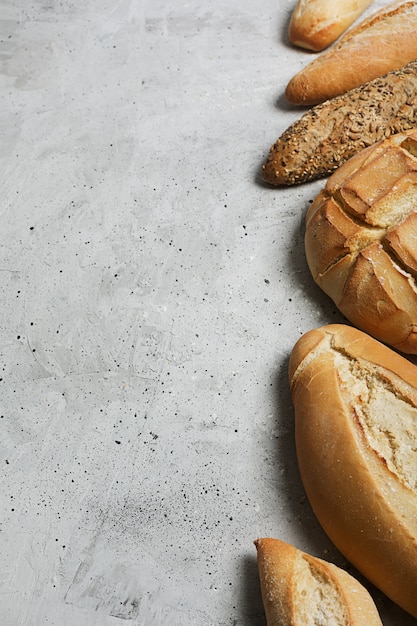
[
  {"x": 355, "y": 404},
  {"x": 302, "y": 590},
  {"x": 330, "y": 133},
  {"x": 384, "y": 42},
  {"x": 361, "y": 240},
  {"x": 315, "y": 24}
]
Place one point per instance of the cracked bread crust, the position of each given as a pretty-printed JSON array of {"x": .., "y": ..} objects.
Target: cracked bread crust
[
  {"x": 361, "y": 240},
  {"x": 355, "y": 404},
  {"x": 329, "y": 134},
  {"x": 301, "y": 590}
]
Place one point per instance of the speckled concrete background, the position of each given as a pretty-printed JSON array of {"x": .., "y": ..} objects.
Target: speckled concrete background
[{"x": 151, "y": 292}]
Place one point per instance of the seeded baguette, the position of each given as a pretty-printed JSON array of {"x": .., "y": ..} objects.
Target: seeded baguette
[
  {"x": 383, "y": 42},
  {"x": 330, "y": 133},
  {"x": 301, "y": 590},
  {"x": 355, "y": 404},
  {"x": 315, "y": 24}
]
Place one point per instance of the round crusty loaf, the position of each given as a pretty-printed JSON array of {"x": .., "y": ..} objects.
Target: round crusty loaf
[
  {"x": 355, "y": 406},
  {"x": 301, "y": 590},
  {"x": 361, "y": 240},
  {"x": 315, "y": 24},
  {"x": 385, "y": 41}
]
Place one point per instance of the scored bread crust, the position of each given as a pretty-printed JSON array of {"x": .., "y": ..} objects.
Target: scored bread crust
[
  {"x": 329, "y": 134},
  {"x": 296, "y": 585},
  {"x": 360, "y": 240},
  {"x": 385, "y": 41},
  {"x": 362, "y": 493},
  {"x": 315, "y": 24}
]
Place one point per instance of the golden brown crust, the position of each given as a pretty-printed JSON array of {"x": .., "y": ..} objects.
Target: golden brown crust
[
  {"x": 362, "y": 495},
  {"x": 275, "y": 564},
  {"x": 329, "y": 134},
  {"x": 383, "y": 42},
  {"x": 360, "y": 241},
  {"x": 315, "y": 24},
  {"x": 295, "y": 584}
]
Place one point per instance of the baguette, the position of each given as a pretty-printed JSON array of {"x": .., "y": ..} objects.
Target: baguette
[
  {"x": 355, "y": 404},
  {"x": 330, "y": 133},
  {"x": 302, "y": 590},
  {"x": 315, "y": 24},
  {"x": 361, "y": 240},
  {"x": 384, "y": 42}
]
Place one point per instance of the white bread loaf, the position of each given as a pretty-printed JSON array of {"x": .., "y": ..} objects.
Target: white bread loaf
[
  {"x": 302, "y": 590},
  {"x": 330, "y": 133},
  {"x": 355, "y": 404},
  {"x": 361, "y": 240},
  {"x": 383, "y": 42},
  {"x": 315, "y": 24}
]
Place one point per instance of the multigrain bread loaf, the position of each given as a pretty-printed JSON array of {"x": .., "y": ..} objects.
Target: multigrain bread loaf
[
  {"x": 384, "y": 42},
  {"x": 361, "y": 240},
  {"x": 315, "y": 24},
  {"x": 355, "y": 404},
  {"x": 330, "y": 133},
  {"x": 301, "y": 590}
]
